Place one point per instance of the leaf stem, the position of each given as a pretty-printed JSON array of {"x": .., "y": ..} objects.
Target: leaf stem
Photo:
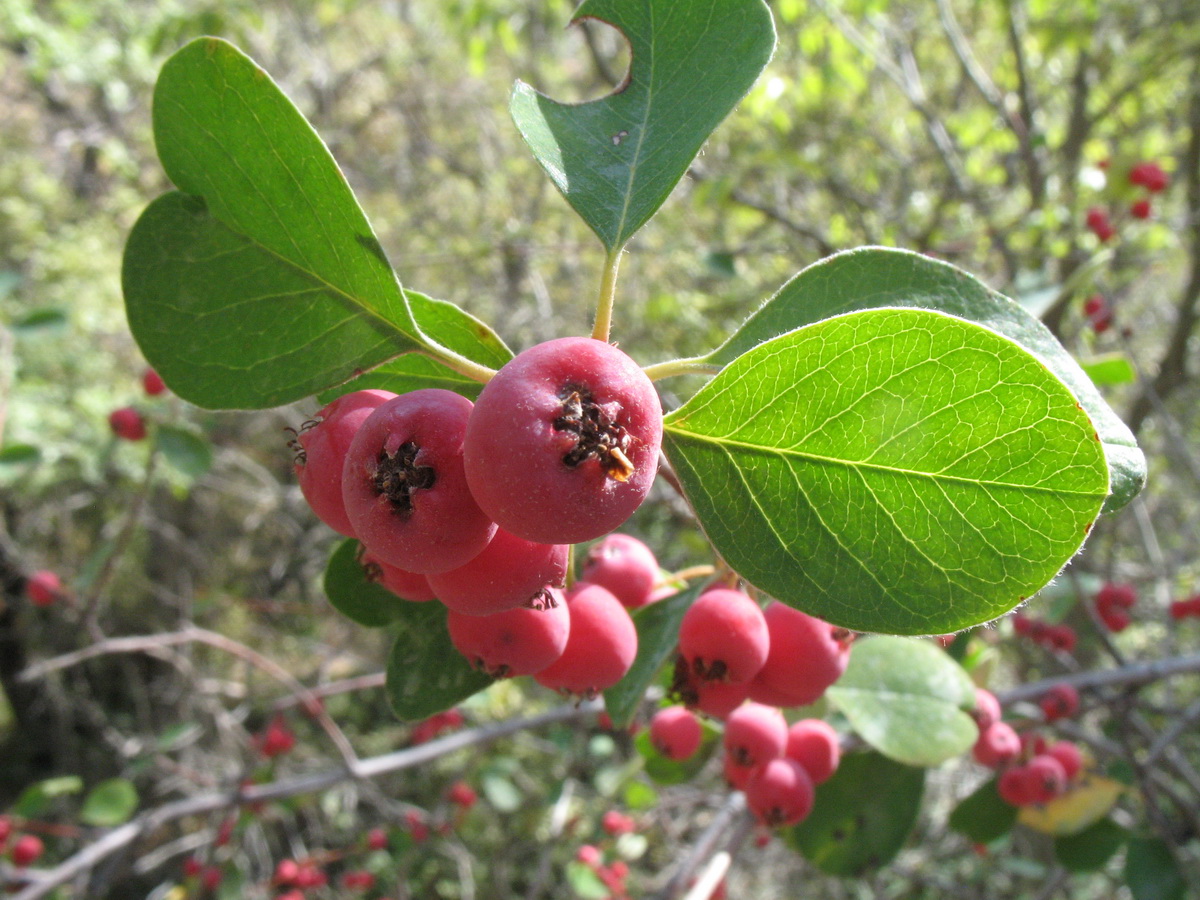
[
  {"x": 608, "y": 289},
  {"x": 695, "y": 365},
  {"x": 460, "y": 364}
]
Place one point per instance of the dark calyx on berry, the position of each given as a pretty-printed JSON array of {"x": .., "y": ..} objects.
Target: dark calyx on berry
[
  {"x": 597, "y": 435},
  {"x": 398, "y": 475}
]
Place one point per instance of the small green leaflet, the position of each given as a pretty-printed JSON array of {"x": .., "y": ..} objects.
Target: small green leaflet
[
  {"x": 616, "y": 159},
  {"x": 891, "y": 470},
  {"x": 355, "y": 596}
]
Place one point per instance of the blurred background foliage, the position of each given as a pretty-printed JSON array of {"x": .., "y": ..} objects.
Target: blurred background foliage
[{"x": 978, "y": 131}]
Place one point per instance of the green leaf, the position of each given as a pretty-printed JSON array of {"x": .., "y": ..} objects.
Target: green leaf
[
  {"x": 109, "y": 803},
  {"x": 188, "y": 452},
  {"x": 658, "y": 634},
  {"x": 265, "y": 262},
  {"x": 35, "y": 800},
  {"x": 585, "y": 883},
  {"x": 16, "y": 460},
  {"x": 1113, "y": 368},
  {"x": 983, "y": 816},
  {"x": 906, "y": 699},
  {"x": 356, "y": 597},
  {"x": 873, "y": 277},
  {"x": 892, "y": 470},
  {"x": 425, "y": 674},
  {"x": 1091, "y": 848},
  {"x": 616, "y": 159},
  {"x": 39, "y": 320},
  {"x": 1152, "y": 872},
  {"x": 501, "y": 793},
  {"x": 670, "y": 771},
  {"x": 861, "y": 816}
]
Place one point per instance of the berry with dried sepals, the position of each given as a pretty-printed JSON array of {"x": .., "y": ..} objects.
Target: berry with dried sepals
[
  {"x": 780, "y": 793},
  {"x": 515, "y": 641},
  {"x": 1061, "y": 701},
  {"x": 754, "y": 735},
  {"x": 675, "y": 732},
  {"x": 723, "y": 637},
  {"x": 601, "y": 645},
  {"x": 510, "y": 572},
  {"x": 406, "y": 585}
]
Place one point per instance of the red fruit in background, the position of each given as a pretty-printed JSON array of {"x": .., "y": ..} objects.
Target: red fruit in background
[
  {"x": 600, "y": 647},
  {"x": 127, "y": 424},
  {"x": 718, "y": 700},
  {"x": 211, "y": 877},
  {"x": 358, "y": 880},
  {"x": 1032, "y": 744},
  {"x": 405, "y": 585},
  {"x": 510, "y": 572},
  {"x": 814, "y": 744},
  {"x": 1098, "y": 223},
  {"x": 1115, "y": 620},
  {"x": 321, "y": 445},
  {"x": 377, "y": 839},
  {"x": 43, "y": 587},
  {"x": 1060, "y": 637},
  {"x": 1181, "y": 609},
  {"x": 152, "y": 383},
  {"x": 1061, "y": 701},
  {"x": 998, "y": 745},
  {"x": 6, "y": 829},
  {"x": 404, "y": 486},
  {"x": 806, "y": 656},
  {"x": 737, "y": 776},
  {"x": 1047, "y": 778},
  {"x": 1098, "y": 312},
  {"x": 754, "y": 735},
  {"x": 780, "y": 793},
  {"x": 675, "y": 732},
  {"x": 563, "y": 443},
  {"x": 1068, "y": 756},
  {"x": 987, "y": 708},
  {"x": 1149, "y": 175},
  {"x": 1122, "y": 595},
  {"x": 589, "y": 855},
  {"x": 1022, "y": 624},
  {"x": 286, "y": 871},
  {"x": 462, "y": 794},
  {"x": 276, "y": 740},
  {"x": 309, "y": 876},
  {"x": 513, "y": 642},
  {"x": 1140, "y": 209},
  {"x": 192, "y": 866},
  {"x": 723, "y": 637},
  {"x": 616, "y": 823},
  {"x": 1016, "y": 786},
  {"x": 625, "y": 566}
]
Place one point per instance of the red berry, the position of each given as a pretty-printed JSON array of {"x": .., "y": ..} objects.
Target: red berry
[
  {"x": 723, "y": 637},
  {"x": 716, "y": 699},
  {"x": 192, "y": 866},
  {"x": 1061, "y": 701},
  {"x": 589, "y": 855},
  {"x": 404, "y": 487},
  {"x": 286, "y": 871},
  {"x": 1047, "y": 777},
  {"x": 1149, "y": 175},
  {"x": 127, "y": 424},
  {"x": 1060, "y": 637},
  {"x": 601, "y": 645},
  {"x": 736, "y": 775},
  {"x": 43, "y": 587},
  {"x": 1022, "y": 624},
  {"x": 405, "y": 585},
  {"x": 563, "y": 443},
  {"x": 321, "y": 445},
  {"x": 417, "y": 827},
  {"x": 987, "y": 708},
  {"x": 1115, "y": 620},
  {"x": 1099, "y": 224},
  {"x": 359, "y": 880},
  {"x": 1032, "y": 744},
  {"x": 814, "y": 744},
  {"x": 510, "y": 572},
  {"x": 780, "y": 793},
  {"x": 1016, "y": 786},
  {"x": 515, "y": 641},
  {"x": 1181, "y": 609},
  {"x": 462, "y": 794},
  {"x": 309, "y": 876},
  {"x": 1122, "y": 595},
  {"x": 152, "y": 383},
  {"x": 211, "y": 878},
  {"x": 1140, "y": 209},
  {"x": 1094, "y": 305},
  {"x": 675, "y": 732},
  {"x": 625, "y": 566},
  {"x": 616, "y": 823},
  {"x": 806, "y": 656},
  {"x": 224, "y": 831},
  {"x": 6, "y": 830},
  {"x": 377, "y": 839},
  {"x": 754, "y": 735},
  {"x": 276, "y": 740},
  {"x": 1068, "y": 756},
  {"x": 997, "y": 746}
]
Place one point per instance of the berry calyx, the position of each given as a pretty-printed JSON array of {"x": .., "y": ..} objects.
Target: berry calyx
[
  {"x": 723, "y": 637},
  {"x": 563, "y": 442},
  {"x": 675, "y": 732},
  {"x": 780, "y": 793}
]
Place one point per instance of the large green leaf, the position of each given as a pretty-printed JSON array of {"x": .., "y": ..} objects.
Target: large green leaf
[
  {"x": 425, "y": 674},
  {"x": 1091, "y": 848},
  {"x": 892, "y": 470},
  {"x": 861, "y": 815},
  {"x": 658, "y": 634},
  {"x": 879, "y": 276},
  {"x": 261, "y": 280},
  {"x": 1152, "y": 872},
  {"x": 356, "y": 597},
  {"x": 616, "y": 159},
  {"x": 906, "y": 699},
  {"x": 984, "y": 816}
]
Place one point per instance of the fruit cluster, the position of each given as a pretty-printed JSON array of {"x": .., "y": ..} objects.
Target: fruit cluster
[
  {"x": 477, "y": 504},
  {"x": 1113, "y": 602},
  {"x": 1052, "y": 637},
  {"x": 1181, "y": 609}
]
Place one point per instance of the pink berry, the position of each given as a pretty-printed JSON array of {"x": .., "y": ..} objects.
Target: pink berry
[
  {"x": 625, "y": 566},
  {"x": 737, "y": 776},
  {"x": 987, "y": 708},
  {"x": 462, "y": 794},
  {"x": 1016, "y": 786},
  {"x": 1048, "y": 778},
  {"x": 1068, "y": 756},
  {"x": 717, "y": 699},
  {"x": 589, "y": 855},
  {"x": 309, "y": 876},
  {"x": 1061, "y": 701},
  {"x": 377, "y": 839},
  {"x": 1140, "y": 209},
  {"x": 152, "y": 383},
  {"x": 1061, "y": 638},
  {"x": 321, "y": 445},
  {"x": 754, "y": 735},
  {"x": 515, "y": 641},
  {"x": 675, "y": 732},
  {"x": 43, "y": 587},
  {"x": 815, "y": 745},
  {"x": 6, "y": 830},
  {"x": 806, "y": 656},
  {"x": 405, "y": 585},
  {"x": 780, "y": 793},
  {"x": 510, "y": 572},
  {"x": 997, "y": 746},
  {"x": 1149, "y": 175},
  {"x": 563, "y": 443},
  {"x": 723, "y": 636},
  {"x": 127, "y": 424},
  {"x": 616, "y": 823},
  {"x": 404, "y": 487},
  {"x": 600, "y": 648},
  {"x": 286, "y": 871}
]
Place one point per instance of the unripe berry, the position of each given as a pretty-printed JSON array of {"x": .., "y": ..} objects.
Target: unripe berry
[
  {"x": 625, "y": 566},
  {"x": 510, "y": 572},
  {"x": 563, "y": 443},
  {"x": 152, "y": 383},
  {"x": 675, "y": 732},
  {"x": 26, "y": 850},
  {"x": 321, "y": 445},
  {"x": 997, "y": 746},
  {"x": 780, "y": 793},
  {"x": 1061, "y": 701},
  {"x": 127, "y": 424},
  {"x": 404, "y": 487},
  {"x": 600, "y": 648},
  {"x": 723, "y": 637},
  {"x": 43, "y": 587},
  {"x": 987, "y": 708},
  {"x": 515, "y": 641},
  {"x": 409, "y": 586},
  {"x": 806, "y": 656},
  {"x": 754, "y": 735}
]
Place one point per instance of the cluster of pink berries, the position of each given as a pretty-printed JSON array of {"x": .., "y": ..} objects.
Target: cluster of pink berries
[
  {"x": 1052, "y": 637},
  {"x": 1113, "y": 602},
  {"x": 25, "y": 850},
  {"x": 1032, "y": 770},
  {"x": 613, "y": 875},
  {"x": 1146, "y": 174},
  {"x": 477, "y": 505},
  {"x": 1098, "y": 312},
  {"x": 1182, "y": 609}
]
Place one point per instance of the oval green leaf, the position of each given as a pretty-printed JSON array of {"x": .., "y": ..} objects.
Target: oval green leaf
[
  {"x": 872, "y": 277},
  {"x": 616, "y": 159},
  {"x": 1152, "y": 871},
  {"x": 425, "y": 674},
  {"x": 1091, "y": 848},
  {"x": 357, "y": 597},
  {"x": 187, "y": 452},
  {"x": 109, "y": 803},
  {"x": 906, "y": 699},
  {"x": 861, "y": 816},
  {"x": 891, "y": 470},
  {"x": 983, "y": 816}
]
